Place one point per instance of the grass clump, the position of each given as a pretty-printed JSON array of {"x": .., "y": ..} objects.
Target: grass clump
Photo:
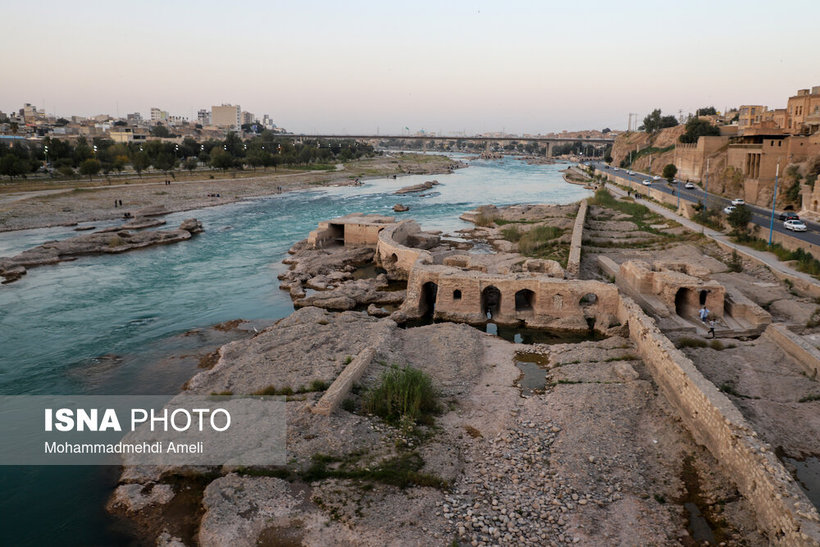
[
  {"x": 717, "y": 345},
  {"x": 809, "y": 398},
  {"x": 511, "y": 233},
  {"x": 540, "y": 242},
  {"x": 484, "y": 220},
  {"x": 690, "y": 343},
  {"x": 403, "y": 394}
]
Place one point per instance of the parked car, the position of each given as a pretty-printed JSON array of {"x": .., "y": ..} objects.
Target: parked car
[
  {"x": 656, "y": 177},
  {"x": 689, "y": 186},
  {"x": 795, "y": 225},
  {"x": 647, "y": 182},
  {"x": 738, "y": 201},
  {"x": 630, "y": 172},
  {"x": 729, "y": 209},
  {"x": 788, "y": 215}
]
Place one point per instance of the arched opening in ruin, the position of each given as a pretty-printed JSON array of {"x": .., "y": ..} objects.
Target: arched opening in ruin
[
  {"x": 702, "y": 297},
  {"x": 457, "y": 294},
  {"x": 589, "y": 299},
  {"x": 427, "y": 304},
  {"x": 788, "y": 208},
  {"x": 490, "y": 301},
  {"x": 684, "y": 299},
  {"x": 524, "y": 300}
]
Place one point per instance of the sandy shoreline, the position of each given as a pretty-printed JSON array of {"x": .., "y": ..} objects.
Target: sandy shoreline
[{"x": 68, "y": 207}]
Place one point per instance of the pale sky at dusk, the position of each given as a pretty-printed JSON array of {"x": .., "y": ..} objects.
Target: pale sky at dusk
[{"x": 356, "y": 66}]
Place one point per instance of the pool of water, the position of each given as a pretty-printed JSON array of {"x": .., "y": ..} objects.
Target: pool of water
[{"x": 533, "y": 367}]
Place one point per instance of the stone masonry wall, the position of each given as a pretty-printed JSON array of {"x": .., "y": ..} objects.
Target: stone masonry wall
[
  {"x": 574, "y": 260},
  {"x": 783, "y": 511}
]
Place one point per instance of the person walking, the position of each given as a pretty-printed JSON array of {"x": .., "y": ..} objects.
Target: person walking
[{"x": 712, "y": 328}]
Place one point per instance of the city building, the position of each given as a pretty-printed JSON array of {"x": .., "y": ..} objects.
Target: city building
[
  {"x": 203, "y": 117},
  {"x": 135, "y": 118},
  {"x": 267, "y": 122},
  {"x": 803, "y": 112},
  {"x": 750, "y": 114},
  {"x": 227, "y": 115},
  {"x": 158, "y": 115},
  {"x": 248, "y": 118}
]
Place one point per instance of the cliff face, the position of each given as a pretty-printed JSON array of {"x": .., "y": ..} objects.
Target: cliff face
[{"x": 638, "y": 140}]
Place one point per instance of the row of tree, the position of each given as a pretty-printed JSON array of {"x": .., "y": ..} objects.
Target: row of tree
[{"x": 104, "y": 155}]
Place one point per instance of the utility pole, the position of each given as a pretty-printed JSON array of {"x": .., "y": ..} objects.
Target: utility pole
[{"x": 774, "y": 199}]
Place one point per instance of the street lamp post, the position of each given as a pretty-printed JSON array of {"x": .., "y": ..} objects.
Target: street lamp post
[{"x": 774, "y": 199}]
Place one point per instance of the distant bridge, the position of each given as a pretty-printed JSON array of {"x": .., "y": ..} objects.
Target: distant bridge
[{"x": 550, "y": 141}]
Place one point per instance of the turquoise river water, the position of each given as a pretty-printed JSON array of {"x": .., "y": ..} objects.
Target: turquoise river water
[{"x": 100, "y": 325}]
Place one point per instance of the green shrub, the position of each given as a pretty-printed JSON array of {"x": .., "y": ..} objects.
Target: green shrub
[
  {"x": 511, "y": 233},
  {"x": 403, "y": 393}
]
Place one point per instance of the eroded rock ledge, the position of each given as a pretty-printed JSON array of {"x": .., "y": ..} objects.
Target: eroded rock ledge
[{"x": 103, "y": 242}]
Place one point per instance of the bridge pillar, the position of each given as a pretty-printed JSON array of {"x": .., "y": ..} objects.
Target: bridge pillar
[
  {"x": 549, "y": 149},
  {"x": 487, "y": 146}
]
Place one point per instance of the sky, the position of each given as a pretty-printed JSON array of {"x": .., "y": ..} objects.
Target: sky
[{"x": 443, "y": 66}]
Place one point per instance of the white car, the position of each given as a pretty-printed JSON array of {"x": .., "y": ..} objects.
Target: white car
[
  {"x": 738, "y": 201},
  {"x": 689, "y": 186},
  {"x": 647, "y": 182},
  {"x": 729, "y": 209},
  {"x": 630, "y": 172},
  {"x": 656, "y": 177},
  {"x": 795, "y": 225}
]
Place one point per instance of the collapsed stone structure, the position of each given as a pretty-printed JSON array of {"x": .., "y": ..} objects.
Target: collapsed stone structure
[{"x": 673, "y": 292}]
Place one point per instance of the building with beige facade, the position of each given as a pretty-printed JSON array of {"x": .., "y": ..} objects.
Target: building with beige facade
[
  {"x": 227, "y": 115},
  {"x": 803, "y": 112},
  {"x": 750, "y": 114}
]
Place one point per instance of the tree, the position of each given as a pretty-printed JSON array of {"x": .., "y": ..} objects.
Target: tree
[
  {"x": 696, "y": 128},
  {"x": 606, "y": 130},
  {"x": 12, "y": 166},
  {"x": 164, "y": 162},
  {"x": 706, "y": 111},
  {"x": 160, "y": 131},
  {"x": 655, "y": 121},
  {"x": 120, "y": 162},
  {"x": 90, "y": 167},
  {"x": 140, "y": 162},
  {"x": 191, "y": 164},
  {"x": 669, "y": 172},
  {"x": 66, "y": 171},
  {"x": 739, "y": 219},
  {"x": 220, "y": 159}
]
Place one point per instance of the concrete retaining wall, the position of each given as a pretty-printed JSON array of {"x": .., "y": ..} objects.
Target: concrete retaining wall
[
  {"x": 783, "y": 511},
  {"x": 804, "y": 353},
  {"x": 574, "y": 260}
]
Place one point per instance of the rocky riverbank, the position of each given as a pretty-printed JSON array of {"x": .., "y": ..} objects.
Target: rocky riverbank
[{"x": 86, "y": 203}]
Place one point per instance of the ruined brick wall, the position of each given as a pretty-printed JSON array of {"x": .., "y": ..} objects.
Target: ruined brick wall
[
  {"x": 574, "y": 260},
  {"x": 783, "y": 511}
]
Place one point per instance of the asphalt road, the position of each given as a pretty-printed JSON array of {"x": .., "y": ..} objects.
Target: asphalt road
[{"x": 760, "y": 215}]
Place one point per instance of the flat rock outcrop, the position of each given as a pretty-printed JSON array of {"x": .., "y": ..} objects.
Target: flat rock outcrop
[
  {"x": 417, "y": 187},
  {"x": 53, "y": 252}
]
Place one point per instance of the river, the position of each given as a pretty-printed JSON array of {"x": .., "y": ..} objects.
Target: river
[{"x": 100, "y": 325}]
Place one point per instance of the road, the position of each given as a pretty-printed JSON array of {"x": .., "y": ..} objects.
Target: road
[{"x": 760, "y": 215}]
